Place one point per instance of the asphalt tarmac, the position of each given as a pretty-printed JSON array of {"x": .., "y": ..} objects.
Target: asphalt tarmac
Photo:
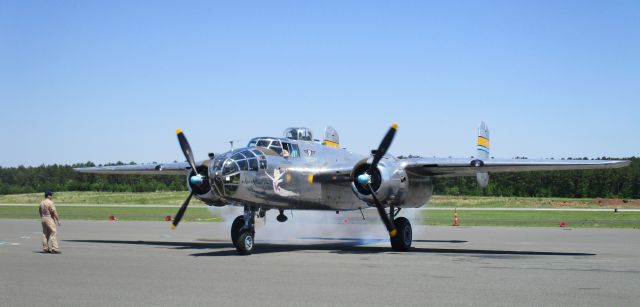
[{"x": 145, "y": 263}]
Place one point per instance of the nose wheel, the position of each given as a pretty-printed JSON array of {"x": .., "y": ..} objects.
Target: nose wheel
[{"x": 243, "y": 231}]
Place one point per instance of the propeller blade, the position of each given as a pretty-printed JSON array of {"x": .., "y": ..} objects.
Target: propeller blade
[
  {"x": 180, "y": 213},
  {"x": 382, "y": 149},
  {"x": 186, "y": 149},
  {"x": 383, "y": 214}
]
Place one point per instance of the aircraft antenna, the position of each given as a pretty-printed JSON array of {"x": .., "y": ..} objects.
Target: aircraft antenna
[{"x": 232, "y": 142}]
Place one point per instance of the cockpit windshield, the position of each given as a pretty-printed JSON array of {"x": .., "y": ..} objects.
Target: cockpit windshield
[
  {"x": 239, "y": 160},
  {"x": 281, "y": 147},
  {"x": 227, "y": 167}
]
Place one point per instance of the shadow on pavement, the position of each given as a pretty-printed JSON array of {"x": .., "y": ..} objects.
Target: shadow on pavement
[{"x": 223, "y": 248}]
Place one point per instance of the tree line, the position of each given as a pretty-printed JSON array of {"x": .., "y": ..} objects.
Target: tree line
[
  {"x": 17, "y": 180},
  {"x": 612, "y": 183},
  {"x": 608, "y": 183}
]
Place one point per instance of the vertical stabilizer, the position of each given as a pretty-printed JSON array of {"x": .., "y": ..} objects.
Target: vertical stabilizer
[
  {"x": 331, "y": 137},
  {"x": 484, "y": 144}
]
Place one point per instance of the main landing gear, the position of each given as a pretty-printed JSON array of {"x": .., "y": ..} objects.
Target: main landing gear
[
  {"x": 403, "y": 237},
  {"x": 243, "y": 231}
]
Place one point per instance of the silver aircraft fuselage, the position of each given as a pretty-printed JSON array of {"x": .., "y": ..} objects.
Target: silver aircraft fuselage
[{"x": 282, "y": 182}]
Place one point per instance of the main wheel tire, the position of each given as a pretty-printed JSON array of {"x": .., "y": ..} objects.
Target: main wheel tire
[
  {"x": 245, "y": 243},
  {"x": 404, "y": 236},
  {"x": 236, "y": 229}
]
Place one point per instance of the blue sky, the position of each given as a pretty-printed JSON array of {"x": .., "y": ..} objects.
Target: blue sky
[{"x": 112, "y": 80}]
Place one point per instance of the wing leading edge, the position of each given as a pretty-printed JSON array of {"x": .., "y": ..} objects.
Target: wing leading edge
[
  {"x": 180, "y": 168},
  {"x": 470, "y": 167}
]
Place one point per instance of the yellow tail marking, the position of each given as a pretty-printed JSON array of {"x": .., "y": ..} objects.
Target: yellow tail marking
[
  {"x": 330, "y": 143},
  {"x": 482, "y": 141}
]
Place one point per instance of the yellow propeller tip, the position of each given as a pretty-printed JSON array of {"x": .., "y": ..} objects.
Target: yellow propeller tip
[
  {"x": 394, "y": 126},
  {"x": 393, "y": 233},
  {"x": 173, "y": 227},
  {"x": 178, "y": 131}
]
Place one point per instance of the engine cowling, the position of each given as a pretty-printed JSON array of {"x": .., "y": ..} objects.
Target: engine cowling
[
  {"x": 203, "y": 189},
  {"x": 388, "y": 180}
]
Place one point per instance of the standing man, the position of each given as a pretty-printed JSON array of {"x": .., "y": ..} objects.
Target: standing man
[{"x": 49, "y": 215}]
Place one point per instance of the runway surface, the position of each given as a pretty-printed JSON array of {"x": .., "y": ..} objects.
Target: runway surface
[{"x": 145, "y": 263}]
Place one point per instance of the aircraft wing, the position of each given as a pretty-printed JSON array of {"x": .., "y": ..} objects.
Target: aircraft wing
[
  {"x": 470, "y": 167},
  {"x": 180, "y": 168}
]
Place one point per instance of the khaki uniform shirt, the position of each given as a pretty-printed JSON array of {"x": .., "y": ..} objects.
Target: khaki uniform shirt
[{"x": 48, "y": 209}]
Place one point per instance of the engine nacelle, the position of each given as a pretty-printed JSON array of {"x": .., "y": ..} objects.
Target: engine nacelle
[
  {"x": 389, "y": 181},
  {"x": 203, "y": 189}
]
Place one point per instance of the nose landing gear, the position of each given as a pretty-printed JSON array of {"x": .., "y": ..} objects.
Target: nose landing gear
[{"x": 243, "y": 231}]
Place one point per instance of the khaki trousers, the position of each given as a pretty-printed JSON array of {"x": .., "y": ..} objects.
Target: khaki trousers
[{"x": 49, "y": 234}]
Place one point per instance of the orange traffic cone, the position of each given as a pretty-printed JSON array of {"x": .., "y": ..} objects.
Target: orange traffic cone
[
  {"x": 167, "y": 218},
  {"x": 455, "y": 217}
]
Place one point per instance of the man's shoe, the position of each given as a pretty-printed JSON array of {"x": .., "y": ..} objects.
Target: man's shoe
[
  {"x": 56, "y": 252},
  {"x": 45, "y": 251}
]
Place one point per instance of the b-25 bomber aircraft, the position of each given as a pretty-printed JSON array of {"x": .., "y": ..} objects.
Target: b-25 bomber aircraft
[{"x": 296, "y": 172}]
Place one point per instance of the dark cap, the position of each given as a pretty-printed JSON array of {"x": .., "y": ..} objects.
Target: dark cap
[{"x": 48, "y": 193}]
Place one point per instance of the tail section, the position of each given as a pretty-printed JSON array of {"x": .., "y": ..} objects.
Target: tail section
[{"x": 484, "y": 144}]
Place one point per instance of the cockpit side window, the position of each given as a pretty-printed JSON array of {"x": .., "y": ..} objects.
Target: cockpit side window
[
  {"x": 276, "y": 149},
  {"x": 276, "y": 146},
  {"x": 263, "y": 143}
]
